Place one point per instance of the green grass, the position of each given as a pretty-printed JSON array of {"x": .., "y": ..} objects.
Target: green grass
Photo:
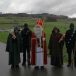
[
  {"x": 9, "y": 22},
  {"x": 3, "y": 36}
]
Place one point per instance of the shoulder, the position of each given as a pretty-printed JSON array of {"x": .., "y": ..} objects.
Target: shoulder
[
  {"x": 67, "y": 31},
  {"x": 29, "y": 31},
  {"x": 10, "y": 34},
  {"x": 22, "y": 31}
]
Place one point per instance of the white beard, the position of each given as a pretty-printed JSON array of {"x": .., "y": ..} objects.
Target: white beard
[{"x": 38, "y": 32}]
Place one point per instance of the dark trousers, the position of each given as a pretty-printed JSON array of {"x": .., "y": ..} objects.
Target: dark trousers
[
  {"x": 75, "y": 58},
  {"x": 26, "y": 51},
  {"x": 69, "y": 51}
]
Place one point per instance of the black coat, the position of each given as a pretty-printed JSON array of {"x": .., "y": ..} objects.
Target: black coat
[
  {"x": 14, "y": 48},
  {"x": 75, "y": 50},
  {"x": 26, "y": 38},
  {"x": 70, "y": 39},
  {"x": 56, "y": 49}
]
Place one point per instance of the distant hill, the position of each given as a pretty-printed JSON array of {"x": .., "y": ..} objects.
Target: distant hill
[{"x": 46, "y": 15}]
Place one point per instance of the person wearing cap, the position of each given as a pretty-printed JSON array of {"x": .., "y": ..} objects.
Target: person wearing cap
[
  {"x": 39, "y": 48},
  {"x": 69, "y": 41},
  {"x": 13, "y": 47},
  {"x": 26, "y": 44}
]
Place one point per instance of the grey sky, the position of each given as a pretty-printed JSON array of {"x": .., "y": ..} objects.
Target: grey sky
[{"x": 59, "y": 7}]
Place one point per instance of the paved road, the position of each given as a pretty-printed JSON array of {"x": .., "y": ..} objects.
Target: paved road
[{"x": 50, "y": 71}]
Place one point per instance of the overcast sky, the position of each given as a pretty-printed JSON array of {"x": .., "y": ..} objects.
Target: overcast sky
[{"x": 59, "y": 7}]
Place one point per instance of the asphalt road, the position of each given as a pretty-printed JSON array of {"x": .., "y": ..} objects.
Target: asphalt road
[{"x": 25, "y": 71}]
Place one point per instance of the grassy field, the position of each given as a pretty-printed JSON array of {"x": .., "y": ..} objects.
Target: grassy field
[{"x": 9, "y": 22}]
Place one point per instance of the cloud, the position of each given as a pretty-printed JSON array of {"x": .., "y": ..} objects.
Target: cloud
[
  {"x": 4, "y": 4},
  {"x": 73, "y": 16},
  {"x": 59, "y": 7}
]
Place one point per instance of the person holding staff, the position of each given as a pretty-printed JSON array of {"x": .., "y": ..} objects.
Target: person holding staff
[
  {"x": 39, "y": 49},
  {"x": 55, "y": 46},
  {"x": 13, "y": 47}
]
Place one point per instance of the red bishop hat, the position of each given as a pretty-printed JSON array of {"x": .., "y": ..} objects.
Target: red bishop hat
[{"x": 40, "y": 22}]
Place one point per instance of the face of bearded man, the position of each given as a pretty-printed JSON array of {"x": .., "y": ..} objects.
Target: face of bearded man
[{"x": 38, "y": 32}]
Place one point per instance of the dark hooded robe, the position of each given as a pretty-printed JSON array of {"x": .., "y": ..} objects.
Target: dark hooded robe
[
  {"x": 74, "y": 49},
  {"x": 13, "y": 47},
  {"x": 56, "y": 49}
]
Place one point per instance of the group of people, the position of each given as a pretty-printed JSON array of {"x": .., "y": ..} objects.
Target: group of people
[
  {"x": 34, "y": 48},
  {"x": 56, "y": 43}
]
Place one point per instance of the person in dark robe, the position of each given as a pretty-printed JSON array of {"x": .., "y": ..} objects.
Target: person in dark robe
[
  {"x": 26, "y": 43},
  {"x": 69, "y": 41},
  {"x": 55, "y": 46},
  {"x": 75, "y": 51},
  {"x": 13, "y": 47}
]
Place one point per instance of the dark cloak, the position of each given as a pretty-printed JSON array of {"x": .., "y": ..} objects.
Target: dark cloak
[
  {"x": 14, "y": 47},
  {"x": 56, "y": 49}
]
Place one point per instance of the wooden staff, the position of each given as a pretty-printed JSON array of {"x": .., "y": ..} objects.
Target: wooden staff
[{"x": 61, "y": 39}]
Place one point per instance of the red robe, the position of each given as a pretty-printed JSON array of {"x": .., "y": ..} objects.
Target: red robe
[{"x": 33, "y": 49}]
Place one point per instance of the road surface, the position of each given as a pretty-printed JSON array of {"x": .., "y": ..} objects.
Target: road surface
[{"x": 25, "y": 71}]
